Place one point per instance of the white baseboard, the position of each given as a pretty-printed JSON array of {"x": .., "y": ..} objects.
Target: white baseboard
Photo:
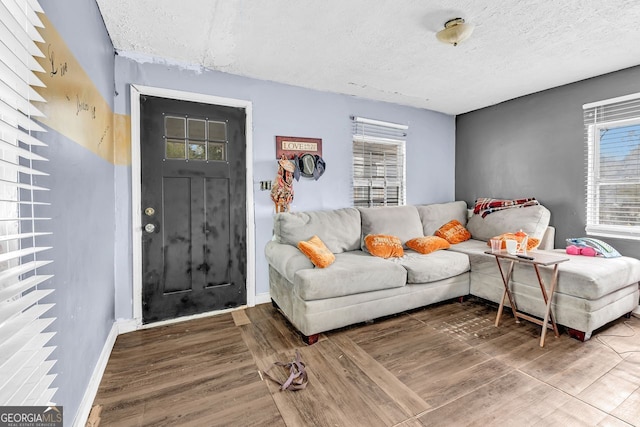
[
  {"x": 128, "y": 325},
  {"x": 92, "y": 388},
  {"x": 263, "y": 298}
]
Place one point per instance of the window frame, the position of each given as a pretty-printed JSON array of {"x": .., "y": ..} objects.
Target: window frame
[
  {"x": 188, "y": 141},
  {"x": 366, "y": 135},
  {"x": 595, "y": 182}
]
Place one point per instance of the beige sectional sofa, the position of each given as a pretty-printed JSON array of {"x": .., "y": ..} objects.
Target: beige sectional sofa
[{"x": 359, "y": 287}]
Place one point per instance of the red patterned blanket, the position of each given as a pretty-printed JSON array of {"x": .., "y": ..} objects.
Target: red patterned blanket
[{"x": 484, "y": 206}]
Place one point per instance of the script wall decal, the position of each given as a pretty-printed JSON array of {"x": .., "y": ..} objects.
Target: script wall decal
[{"x": 75, "y": 107}]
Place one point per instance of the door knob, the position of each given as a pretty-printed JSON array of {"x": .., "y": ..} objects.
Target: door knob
[{"x": 149, "y": 228}]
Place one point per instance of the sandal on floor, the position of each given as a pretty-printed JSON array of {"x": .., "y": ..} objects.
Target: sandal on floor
[{"x": 297, "y": 374}]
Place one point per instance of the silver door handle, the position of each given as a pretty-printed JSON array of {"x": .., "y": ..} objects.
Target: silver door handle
[{"x": 149, "y": 228}]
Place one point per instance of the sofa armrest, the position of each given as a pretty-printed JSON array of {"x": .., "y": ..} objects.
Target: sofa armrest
[
  {"x": 286, "y": 259},
  {"x": 548, "y": 240}
]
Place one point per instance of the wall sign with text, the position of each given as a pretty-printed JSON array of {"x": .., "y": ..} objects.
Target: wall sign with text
[{"x": 291, "y": 146}]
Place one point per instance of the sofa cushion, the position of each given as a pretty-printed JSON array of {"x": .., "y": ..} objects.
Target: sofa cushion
[
  {"x": 351, "y": 273},
  {"x": 339, "y": 229},
  {"x": 471, "y": 246},
  {"x": 434, "y": 266},
  {"x": 436, "y": 215},
  {"x": 400, "y": 221},
  {"x": 592, "y": 278},
  {"x": 533, "y": 220}
]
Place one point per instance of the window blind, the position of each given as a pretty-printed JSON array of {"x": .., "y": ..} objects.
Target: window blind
[
  {"x": 378, "y": 163},
  {"x": 25, "y": 364},
  {"x": 612, "y": 140}
]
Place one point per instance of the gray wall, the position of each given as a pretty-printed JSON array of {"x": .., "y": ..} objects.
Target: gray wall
[
  {"x": 82, "y": 210},
  {"x": 533, "y": 146},
  {"x": 286, "y": 110}
]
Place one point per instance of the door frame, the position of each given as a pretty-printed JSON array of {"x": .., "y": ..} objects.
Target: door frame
[{"x": 136, "y": 191}]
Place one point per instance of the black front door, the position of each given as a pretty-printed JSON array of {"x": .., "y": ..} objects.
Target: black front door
[{"x": 193, "y": 207}]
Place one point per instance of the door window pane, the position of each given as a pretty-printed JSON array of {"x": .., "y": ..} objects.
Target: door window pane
[
  {"x": 175, "y": 149},
  {"x": 197, "y": 151},
  {"x": 217, "y": 151},
  {"x": 197, "y": 129},
  {"x": 217, "y": 131},
  {"x": 174, "y": 127}
]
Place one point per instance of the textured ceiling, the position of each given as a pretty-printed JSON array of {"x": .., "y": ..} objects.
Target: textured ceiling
[{"x": 386, "y": 49}]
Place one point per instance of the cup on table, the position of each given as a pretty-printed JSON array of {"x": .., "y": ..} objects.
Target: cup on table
[
  {"x": 512, "y": 246},
  {"x": 496, "y": 245}
]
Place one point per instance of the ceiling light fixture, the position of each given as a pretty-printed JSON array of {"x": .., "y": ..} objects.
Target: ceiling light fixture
[{"x": 455, "y": 31}]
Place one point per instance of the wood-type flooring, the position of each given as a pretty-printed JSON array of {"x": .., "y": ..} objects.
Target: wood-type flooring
[{"x": 443, "y": 365}]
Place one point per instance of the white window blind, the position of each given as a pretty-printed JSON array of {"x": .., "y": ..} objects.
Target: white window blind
[
  {"x": 378, "y": 163},
  {"x": 25, "y": 363},
  {"x": 612, "y": 136}
]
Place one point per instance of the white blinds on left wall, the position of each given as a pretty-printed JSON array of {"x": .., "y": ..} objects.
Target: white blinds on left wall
[
  {"x": 379, "y": 166},
  {"x": 25, "y": 363}
]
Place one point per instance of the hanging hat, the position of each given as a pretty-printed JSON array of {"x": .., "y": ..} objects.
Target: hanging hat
[
  {"x": 307, "y": 165},
  {"x": 320, "y": 167}
]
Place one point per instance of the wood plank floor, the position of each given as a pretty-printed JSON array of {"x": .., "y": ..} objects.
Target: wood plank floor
[{"x": 442, "y": 365}]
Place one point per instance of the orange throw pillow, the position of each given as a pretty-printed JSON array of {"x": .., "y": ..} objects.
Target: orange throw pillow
[
  {"x": 426, "y": 245},
  {"x": 383, "y": 246},
  {"x": 317, "y": 252},
  {"x": 453, "y": 232},
  {"x": 532, "y": 243}
]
